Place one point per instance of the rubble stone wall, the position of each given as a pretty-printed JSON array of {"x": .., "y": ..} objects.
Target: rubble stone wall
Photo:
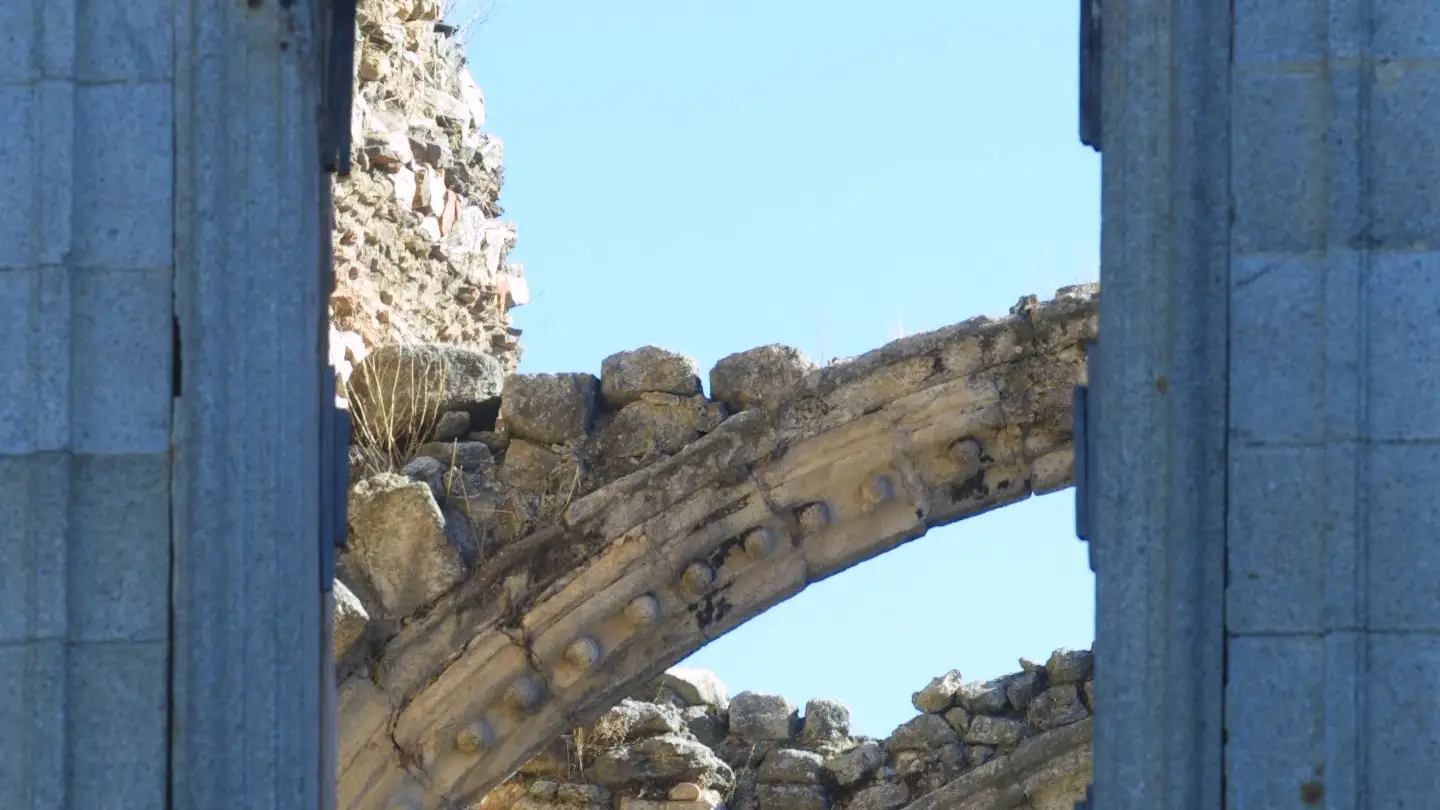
[
  {"x": 681, "y": 744},
  {"x": 420, "y": 249}
]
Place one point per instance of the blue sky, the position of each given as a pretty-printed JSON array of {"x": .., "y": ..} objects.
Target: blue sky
[{"x": 709, "y": 177}]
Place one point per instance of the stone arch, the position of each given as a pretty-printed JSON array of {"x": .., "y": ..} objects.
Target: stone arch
[{"x": 856, "y": 459}]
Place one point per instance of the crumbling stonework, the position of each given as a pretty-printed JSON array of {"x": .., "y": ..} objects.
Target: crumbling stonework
[
  {"x": 607, "y": 527},
  {"x": 680, "y": 744},
  {"x": 420, "y": 251}
]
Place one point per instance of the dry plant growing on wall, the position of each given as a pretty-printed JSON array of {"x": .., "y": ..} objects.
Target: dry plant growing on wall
[
  {"x": 466, "y": 14},
  {"x": 396, "y": 412},
  {"x": 609, "y": 731}
]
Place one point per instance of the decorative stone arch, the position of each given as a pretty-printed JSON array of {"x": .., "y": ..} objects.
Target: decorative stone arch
[{"x": 859, "y": 458}]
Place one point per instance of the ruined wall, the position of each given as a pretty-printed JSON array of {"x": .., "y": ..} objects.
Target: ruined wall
[
  {"x": 528, "y": 549},
  {"x": 682, "y": 744},
  {"x": 420, "y": 251}
]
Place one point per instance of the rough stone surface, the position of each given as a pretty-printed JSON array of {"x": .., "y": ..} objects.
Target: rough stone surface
[
  {"x": 451, "y": 425},
  {"x": 760, "y": 718},
  {"x": 760, "y": 376},
  {"x": 791, "y": 765},
  {"x": 826, "y": 722},
  {"x": 792, "y": 797},
  {"x": 922, "y": 733},
  {"x": 399, "y": 393},
  {"x": 635, "y": 758},
  {"x": 696, "y": 687},
  {"x": 624, "y": 376},
  {"x": 350, "y": 619},
  {"x": 857, "y": 764},
  {"x": 633, "y": 719},
  {"x": 1056, "y": 706},
  {"x": 881, "y": 797},
  {"x": 549, "y": 408},
  {"x": 398, "y": 543},
  {"x": 983, "y": 698},
  {"x": 939, "y": 694},
  {"x": 1069, "y": 666},
  {"x": 997, "y": 732},
  {"x": 663, "y": 761}
]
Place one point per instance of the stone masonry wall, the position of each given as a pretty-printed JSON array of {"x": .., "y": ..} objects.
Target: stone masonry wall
[
  {"x": 420, "y": 251},
  {"x": 445, "y": 470},
  {"x": 682, "y": 744}
]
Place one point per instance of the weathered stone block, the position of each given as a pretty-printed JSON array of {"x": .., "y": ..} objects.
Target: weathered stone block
[
  {"x": 1024, "y": 686},
  {"x": 881, "y": 797},
  {"x": 1069, "y": 666},
  {"x": 549, "y": 408},
  {"x": 697, "y": 687},
  {"x": 791, "y": 766},
  {"x": 406, "y": 389},
  {"x": 999, "y": 732},
  {"x": 450, "y": 426},
  {"x": 761, "y": 718},
  {"x": 350, "y": 619},
  {"x": 1056, "y": 706},
  {"x": 645, "y": 429},
  {"x": 632, "y": 719},
  {"x": 467, "y": 456},
  {"x": 398, "y": 542},
  {"x": 703, "y": 725},
  {"x": 757, "y": 377},
  {"x": 660, "y": 761},
  {"x": 921, "y": 733},
  {"x": 939, "y": 694},
  {"x": 826, "y": 722},
  {"x": 529, "y": 466},
  {"x": 983, "y": 698},
  {"x": 959, "y": 719},
  {"x": 624, "y": 376},
  {"x": 792, "y": 797},
  {"x": 856, "y": 764}
]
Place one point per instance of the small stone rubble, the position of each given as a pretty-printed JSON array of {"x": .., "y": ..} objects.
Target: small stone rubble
[{"x": 680, "y": 744}]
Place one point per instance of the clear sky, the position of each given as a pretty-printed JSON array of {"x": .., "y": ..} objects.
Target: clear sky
[{"x": 713, "y": 176}]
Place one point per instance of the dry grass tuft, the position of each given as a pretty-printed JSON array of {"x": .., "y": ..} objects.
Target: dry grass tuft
[
  {"x": 608, "y": 732},
  {"x": 391, "y": 419}
]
